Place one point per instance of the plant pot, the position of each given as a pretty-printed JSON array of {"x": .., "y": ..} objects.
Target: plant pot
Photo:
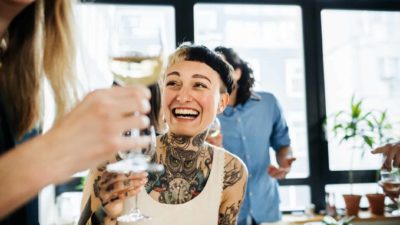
[
  {"x": 376, "y": 203},
  {"x": 352, "y": 204}
]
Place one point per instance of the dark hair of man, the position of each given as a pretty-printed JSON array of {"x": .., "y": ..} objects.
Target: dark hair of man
[
  {"x": 202, "y": 54},
  {"x": 246, "y": 81}
]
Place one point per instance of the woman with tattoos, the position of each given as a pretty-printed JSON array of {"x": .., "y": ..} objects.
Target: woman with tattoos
[{"x": 202, "y": 184}]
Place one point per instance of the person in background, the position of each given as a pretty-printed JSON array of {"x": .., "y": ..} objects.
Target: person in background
[
  {"x": 36, "y": 44},
  {"x": 251, "y": 124},
  {"x": 201, "y": 184},
  {"x": 391, "y": 153}
]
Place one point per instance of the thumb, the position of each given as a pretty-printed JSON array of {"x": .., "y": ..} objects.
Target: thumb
[{"x": 291, "y": 160}]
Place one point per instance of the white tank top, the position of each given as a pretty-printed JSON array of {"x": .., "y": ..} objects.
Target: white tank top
[{"x": 202, "y": 210}]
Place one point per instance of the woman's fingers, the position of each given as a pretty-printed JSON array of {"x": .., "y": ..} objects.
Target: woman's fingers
[{"x": 112, "y": 187}]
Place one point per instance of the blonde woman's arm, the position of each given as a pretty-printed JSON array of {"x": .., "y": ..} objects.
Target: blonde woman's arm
[{"x": 85, "y": 137}]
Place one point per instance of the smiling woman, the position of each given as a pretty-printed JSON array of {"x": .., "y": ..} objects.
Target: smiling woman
[{"x": 201, "y": 183}]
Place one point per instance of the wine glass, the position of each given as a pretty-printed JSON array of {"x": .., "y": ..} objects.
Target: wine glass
[
  {"x": 390, "y": 183},
  {"x": 136, "y": 57},
  {"x": 145, "y": 156},
  {"x": 215, "y": 128}
]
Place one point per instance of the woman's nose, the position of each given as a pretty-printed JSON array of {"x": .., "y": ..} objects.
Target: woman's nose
[{"x": 184, "y": 96}]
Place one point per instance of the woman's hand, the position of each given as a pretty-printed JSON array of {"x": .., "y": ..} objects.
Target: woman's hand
[
  {"x": 112, "y": 189},
  {"x": 93, "y": 131}
]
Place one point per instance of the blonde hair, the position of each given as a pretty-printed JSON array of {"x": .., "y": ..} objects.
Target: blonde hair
[{"x": 38, "y": 44}]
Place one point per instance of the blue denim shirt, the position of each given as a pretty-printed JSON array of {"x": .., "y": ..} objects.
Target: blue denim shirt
[{"x": 249, "y": 131}]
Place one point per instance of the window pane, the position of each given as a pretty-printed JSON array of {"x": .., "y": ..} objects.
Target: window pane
[
  {"x": 361, "y": 53},
  {"x": 294, "y": 198},
  {"x": 95, "y": 21},
  {"x": 269, "y": 37}
]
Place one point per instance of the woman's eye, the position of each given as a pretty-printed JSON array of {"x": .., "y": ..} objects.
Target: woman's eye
[
  {"x": 200, "y": 85},
  {"x": 171, "y": 83}
]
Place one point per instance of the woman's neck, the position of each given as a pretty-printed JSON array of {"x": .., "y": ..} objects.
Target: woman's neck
[{"x": 184, "y": 142}]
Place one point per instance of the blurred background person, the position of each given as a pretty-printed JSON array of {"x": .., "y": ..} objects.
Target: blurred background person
[{"x": 251, "y": 124}]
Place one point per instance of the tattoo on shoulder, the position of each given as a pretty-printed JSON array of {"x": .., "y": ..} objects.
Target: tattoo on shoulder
[
  {"x": 233, "y": 172},
  {"x": 229, "y": 216}
]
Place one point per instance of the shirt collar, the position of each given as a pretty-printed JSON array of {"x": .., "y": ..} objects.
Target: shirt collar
[{"x": 229, "y": 111}]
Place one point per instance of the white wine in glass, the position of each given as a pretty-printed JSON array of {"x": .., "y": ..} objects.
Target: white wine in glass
[{"x": 130, "y": 70}]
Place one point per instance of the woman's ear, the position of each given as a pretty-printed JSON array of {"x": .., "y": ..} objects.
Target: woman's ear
[{"x": 223, "y": 102}]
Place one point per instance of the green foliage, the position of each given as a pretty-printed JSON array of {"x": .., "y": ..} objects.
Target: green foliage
[
  {"x": 81, "y": 185},
  {"x": 363, "y": 129},
  {"x": 356, "y": 125}
]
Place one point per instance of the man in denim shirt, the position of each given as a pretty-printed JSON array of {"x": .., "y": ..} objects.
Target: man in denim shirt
[{"x": 251, "y": 124}]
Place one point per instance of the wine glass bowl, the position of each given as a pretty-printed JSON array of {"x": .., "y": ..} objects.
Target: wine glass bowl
[
  {"x": 135, "y": 52},
  {"x": 215, "y": 128}
]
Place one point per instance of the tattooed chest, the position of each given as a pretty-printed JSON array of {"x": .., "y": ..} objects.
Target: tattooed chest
[{"x": 185, "y": 176}]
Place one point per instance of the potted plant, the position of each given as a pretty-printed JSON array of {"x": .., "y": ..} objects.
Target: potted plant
[
  {"x": 364, "y": 130},
  {"x": 353, "y": 126}
]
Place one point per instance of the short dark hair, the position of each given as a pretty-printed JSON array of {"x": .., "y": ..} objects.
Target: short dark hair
[{"x": 200, "y": 53}]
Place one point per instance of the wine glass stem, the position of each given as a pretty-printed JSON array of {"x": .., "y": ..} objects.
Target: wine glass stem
[{"x": 136, "y": 202}]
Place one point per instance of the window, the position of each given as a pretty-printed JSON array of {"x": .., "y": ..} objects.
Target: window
[
  {"x": 269, "y": 37},
  {"x": 361, "y": 53}
]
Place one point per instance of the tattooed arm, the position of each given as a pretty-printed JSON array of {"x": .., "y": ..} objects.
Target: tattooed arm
[
  {"x": 235, "y": 180},
  {"x": 106, "y": 193}
]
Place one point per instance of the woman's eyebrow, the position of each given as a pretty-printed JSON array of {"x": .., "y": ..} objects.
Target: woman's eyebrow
[
  {"x": 201, "y": 77},
  {"x": 174, "y": 73}
]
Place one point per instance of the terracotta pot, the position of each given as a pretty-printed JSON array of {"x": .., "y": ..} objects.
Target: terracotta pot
[
  {"x": 376, "y": 203},
  {"x": 352, "y": 204}
]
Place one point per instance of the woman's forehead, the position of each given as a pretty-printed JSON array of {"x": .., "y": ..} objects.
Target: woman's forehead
[{"x": 193, "y": 69}]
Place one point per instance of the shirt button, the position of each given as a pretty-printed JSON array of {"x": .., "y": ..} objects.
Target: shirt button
[
  {"x": 251, "y": 194},
  {"x": 243, "y": 138}
]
